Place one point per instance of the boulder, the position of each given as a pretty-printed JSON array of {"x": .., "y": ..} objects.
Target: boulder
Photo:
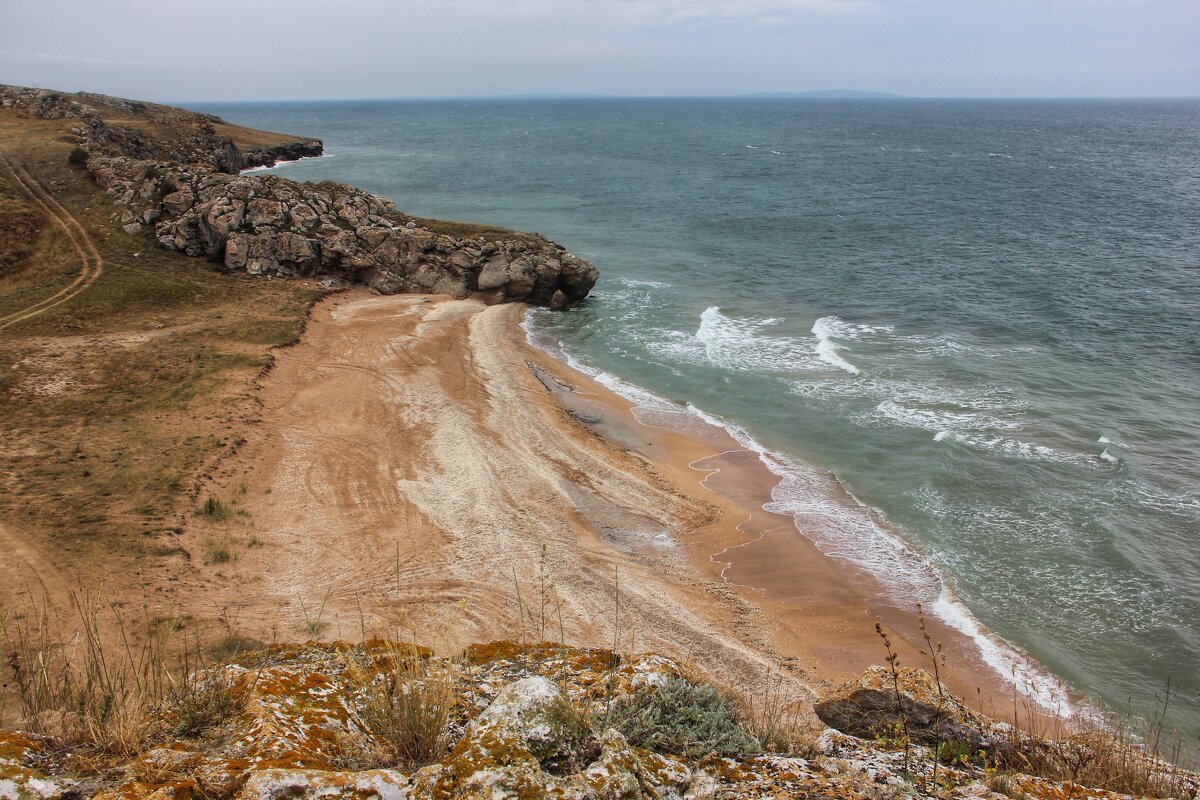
[
  {"x": 874, "y": 705},
  {"x": 261, "y": 211},
  {"x": 178, "y": 202},
  {"x": 299, "y": 784},
  {"x": 531, "y": 743},
  {"x": 530, "y": 716}
]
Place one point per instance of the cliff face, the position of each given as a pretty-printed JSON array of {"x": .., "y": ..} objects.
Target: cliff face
[
  {"x": 176, "y": 172},
  {"x": 150, "y": 131}
]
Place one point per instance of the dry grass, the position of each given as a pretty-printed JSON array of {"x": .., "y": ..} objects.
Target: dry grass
[
  {"x": 1117, "y": 752},
  {"x": 111, "y": 685},
  {"x": 408, "y": 703},
  {"x": 113, "y": 403},
  {"x": 780, "y": 724}
]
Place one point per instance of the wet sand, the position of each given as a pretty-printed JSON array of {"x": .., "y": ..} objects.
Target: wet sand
[{"x": 419, "y": 469}]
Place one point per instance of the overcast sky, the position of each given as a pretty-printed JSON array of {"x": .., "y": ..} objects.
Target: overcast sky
[{"x": 304, "y": 49}]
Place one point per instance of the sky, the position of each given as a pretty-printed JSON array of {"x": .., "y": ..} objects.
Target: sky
[{"x": 168, "y": 50}]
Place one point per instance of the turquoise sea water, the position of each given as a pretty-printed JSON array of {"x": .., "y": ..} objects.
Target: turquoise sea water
[{"x": 972, "y": 325}]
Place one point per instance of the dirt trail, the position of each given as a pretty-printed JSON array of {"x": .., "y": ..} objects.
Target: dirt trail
[{"x": 91, "y": 264}]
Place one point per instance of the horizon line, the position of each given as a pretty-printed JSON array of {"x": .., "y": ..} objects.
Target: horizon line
[{"x": 803, "y": 96}]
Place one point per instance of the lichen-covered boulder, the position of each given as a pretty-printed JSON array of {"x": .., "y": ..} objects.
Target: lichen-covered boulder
[
  {"x": 530, "y": 716},
  {"x": 531, "y": 743},
  {"x": 18, "y": 781},
  {"x": 303, "y": 784}
]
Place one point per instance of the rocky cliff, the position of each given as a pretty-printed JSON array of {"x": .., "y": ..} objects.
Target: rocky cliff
[
  {"x": 175, "y": 173},
  {"x": 266, "y": 225}
]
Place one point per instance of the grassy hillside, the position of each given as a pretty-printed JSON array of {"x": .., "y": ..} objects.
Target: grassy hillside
[{"x": 123, "y": 371}]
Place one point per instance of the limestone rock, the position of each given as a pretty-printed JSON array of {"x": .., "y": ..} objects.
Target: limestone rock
[
  {"x": 18, "y": 781},
  {"x": 267, "y": 225},
  {"x": 533, "y": 715},
  {"x": 298, "y": 784}
]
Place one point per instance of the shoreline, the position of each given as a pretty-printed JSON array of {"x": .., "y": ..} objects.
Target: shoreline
[
  {"x": 420, "y": 465},
  {"x": 988, "y": 654}
]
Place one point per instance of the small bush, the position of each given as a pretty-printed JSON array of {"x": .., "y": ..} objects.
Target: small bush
[
  {"x": 168, "y": 186},
  {"x": 214, "y": 510},
  {"x": 219, "y": 551},
  {"x": 775, "y": 723},
  {"x": 954, "y": 752},
  {"x": 409, "y": 704},
  {"x": 683, "y": 719},
  {"x": 78, "y": 157},
  {"x": 202, "y": 702}
]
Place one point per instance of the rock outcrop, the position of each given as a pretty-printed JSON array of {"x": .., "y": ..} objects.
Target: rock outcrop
[
  {"x": 912, "y": 704},
  {"x": 176, "y": 173},
  {"x": 267, "y": 225},
  {"x": 529, "y": 723},
  {"x": 164, "y": 133}
]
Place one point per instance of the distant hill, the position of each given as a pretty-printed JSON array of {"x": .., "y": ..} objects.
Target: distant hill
[{"x": 833, "y": 94}]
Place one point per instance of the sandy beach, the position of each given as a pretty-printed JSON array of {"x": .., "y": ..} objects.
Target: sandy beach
[{"x": 419, "y": 469}]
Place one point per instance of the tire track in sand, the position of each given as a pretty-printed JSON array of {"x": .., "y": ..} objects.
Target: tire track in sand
[{"x": 91, "y": 264}]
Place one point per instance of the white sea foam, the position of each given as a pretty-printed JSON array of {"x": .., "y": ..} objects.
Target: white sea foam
[
  {"x": 278, "y": 164},
  {"x": 827, "y": 329},
  {"x": 641, "y": 284},
  {"x": 940, "y": 419},
  {"x": 1109, "y": 457},
  {"x": 1017, "y": 448},
  {"x": 1104, "y": 440},
  {"x": 835, "y": 520},
  {"x": 738, "y": 344}
]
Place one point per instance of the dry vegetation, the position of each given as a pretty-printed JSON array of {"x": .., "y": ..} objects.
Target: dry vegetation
[{"x": 111, "y": 404}]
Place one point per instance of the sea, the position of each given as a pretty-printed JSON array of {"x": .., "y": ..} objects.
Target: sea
[{"x": 964, "y": 334}]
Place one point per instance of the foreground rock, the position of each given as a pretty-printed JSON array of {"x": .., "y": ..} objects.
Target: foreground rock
[
  {"x": 878, "y": 705},
  {"x": 528, "y": 723}
]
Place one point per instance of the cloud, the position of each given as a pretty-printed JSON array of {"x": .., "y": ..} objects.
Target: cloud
[
  {"x": 686, "y": 13},
  {"x": 79, "y": 59}
]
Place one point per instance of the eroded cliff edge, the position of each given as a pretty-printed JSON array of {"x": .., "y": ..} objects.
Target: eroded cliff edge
[{"x": 175, "y": 174}]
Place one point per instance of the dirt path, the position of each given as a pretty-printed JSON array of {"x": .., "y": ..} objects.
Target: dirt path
[{"x": 91, "y": 264}]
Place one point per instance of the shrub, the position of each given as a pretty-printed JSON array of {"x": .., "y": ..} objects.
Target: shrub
[
  {"x": 775, "y": 723},
  {"x": 219, "y": 551},
  {"x": 683, "y": 719},
  {"x": 78, "y": 157},
  {"x": 213, "y": 510},
  {"x": 201, "y": 702},
  {"x": 408, "y": 705}
]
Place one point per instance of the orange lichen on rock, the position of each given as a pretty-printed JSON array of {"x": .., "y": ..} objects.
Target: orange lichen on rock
[{"x": 529, "y": 723}]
